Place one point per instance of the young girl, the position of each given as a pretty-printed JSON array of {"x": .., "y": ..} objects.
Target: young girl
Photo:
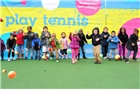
[
  {"x": 104, "y": 43},
  {"x": 29, "y": 37},
  {"x": 55, "y": 46},
  {"x": 64, "y": 45},
  {"x": 113, "y": 41},
  {"x": 20, "y": 43},
  {"x": 132, "y": 45},
  {"x": 81, "y": 43},
  {"x": 96, "y": 42},
  {"x": 11, "y": 42},
  {"x": 45, "y": 36},
  {"x": 74, "y": 46},
  {"x": 36, "y": 45},
  {"x": 2, "y": 48},
  {"x": 123, "y": 40}
]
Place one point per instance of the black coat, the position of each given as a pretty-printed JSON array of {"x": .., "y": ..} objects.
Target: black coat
[
  {"x": 104, "y": 40},
  {"x": 94, "y": 37},
  {"x": 11, "y": 43},
  {"x": 133, "y": 39},
  {"x": 82, "y": 39},
  {"x": 29, "y": 37},
  {"x": 123, "y": 38}
]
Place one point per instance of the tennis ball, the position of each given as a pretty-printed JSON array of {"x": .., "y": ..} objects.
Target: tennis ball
[
  {"x": 3, "y": 71},
  {"x": 69, "y": 51},
  {"x": 16, "y": 52},
  {"x": 101, "y": 55},
  {"x": 50, "y": 49},
  {"x": 117, "y": 57},
  {"x": 43, "y": 57},
  {"x": 12, "y": 74}
]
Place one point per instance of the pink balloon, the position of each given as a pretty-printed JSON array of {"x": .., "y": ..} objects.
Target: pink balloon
[{"x": 23, "y": 2}]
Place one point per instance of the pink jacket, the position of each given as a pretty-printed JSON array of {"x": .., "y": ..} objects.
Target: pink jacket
[{"x": 74, "y": 42}]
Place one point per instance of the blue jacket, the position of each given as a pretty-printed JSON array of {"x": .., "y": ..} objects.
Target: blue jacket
[
  {"x": 36, "y": 40},
  {"x": 114, "y": 43}
]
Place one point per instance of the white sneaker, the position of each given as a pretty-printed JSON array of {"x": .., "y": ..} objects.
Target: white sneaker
[
  {"x": 13, "y": 59},
  {"x": 62, "y": 56},
  {"x": 105, "y": 58},
  {"x": 8, "y": 59},
  {"x": 137, "y": 60},
  {"x": 75, "y": 60},
  {"x": 67, "y": 57},
  {"x": 127, "y": 62}
]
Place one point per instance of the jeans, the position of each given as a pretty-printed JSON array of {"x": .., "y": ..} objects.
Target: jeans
[
  {"x": 37, "y": 54},
  {"x": 129, "y": 52},
  {"x": 2, "y": 54},
  {"x": 115, "y": 50},
  {"x": 104, "y": 50},
  {"x": 20, "y": 48},
  {"x": 29, "y": 50}
]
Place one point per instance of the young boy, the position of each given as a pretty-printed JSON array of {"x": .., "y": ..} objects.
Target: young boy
[
  {"x": 36, "y": 45},
  {"x": 81, "y": 43},
  {"x": 104, "y": 43},
  {"x": 11, "y": 42},
  {"x": 55, "y": 46},
  {"x": 45, "y": 36},
  {"x": 113, "y": 41},
  {"x": 2, "y": 48},
  {"x": 132, "y": 45},
  {"x": 96, "y": 42},
  {"x": 29, "y": 36}
]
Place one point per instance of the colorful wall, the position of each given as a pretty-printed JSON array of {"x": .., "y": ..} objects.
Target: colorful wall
[{"x": 69, "y": 15}]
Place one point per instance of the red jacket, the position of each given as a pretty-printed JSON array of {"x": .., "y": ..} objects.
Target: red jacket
[{"x": 20, "y": 38}]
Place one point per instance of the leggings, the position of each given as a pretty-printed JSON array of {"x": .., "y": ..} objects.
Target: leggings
[
  {"x": 75, "y": 53},
  {"x": 9, "y": 52}
]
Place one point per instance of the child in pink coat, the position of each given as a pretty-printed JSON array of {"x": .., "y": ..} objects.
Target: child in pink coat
[{"x": 74, "y": 46}]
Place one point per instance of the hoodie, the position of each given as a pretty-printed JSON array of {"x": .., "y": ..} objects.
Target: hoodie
[
  {"x": 36, "y": 43},
  {"x": 94, "y": 37},
  {"x": 11, "y": 43}
]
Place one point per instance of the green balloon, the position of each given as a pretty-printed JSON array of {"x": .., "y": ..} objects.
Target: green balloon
[
  {"x": 69, "y": 51},
  {"x": 101, "y": 55}
]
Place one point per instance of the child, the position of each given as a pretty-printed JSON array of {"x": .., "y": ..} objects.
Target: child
[
  {"x": 113, "y": 41},
  {"x": 2, "y": 48},
  {"x": 132, "y": 45},
  {"x": 123, "y": 40},
  {"x": 29, "y": 37},
  {"x": 104, "y": 43},
  {"x": 64, "y": 45},
  {"x": 96, "y": 42},
  {"x": 11, "y": 42},
  {"x": 74, "y": 46},
  {"x": 45, "y": 40},
  {"x": 36, "y": 45},
  {"x": 81, "y": 43},
  {"x": 55, "y": 45},
  {"x": 20, "y": 43}
]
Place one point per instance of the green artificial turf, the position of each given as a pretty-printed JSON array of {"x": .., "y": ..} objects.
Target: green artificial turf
[{"x": 33, "y": 74}]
